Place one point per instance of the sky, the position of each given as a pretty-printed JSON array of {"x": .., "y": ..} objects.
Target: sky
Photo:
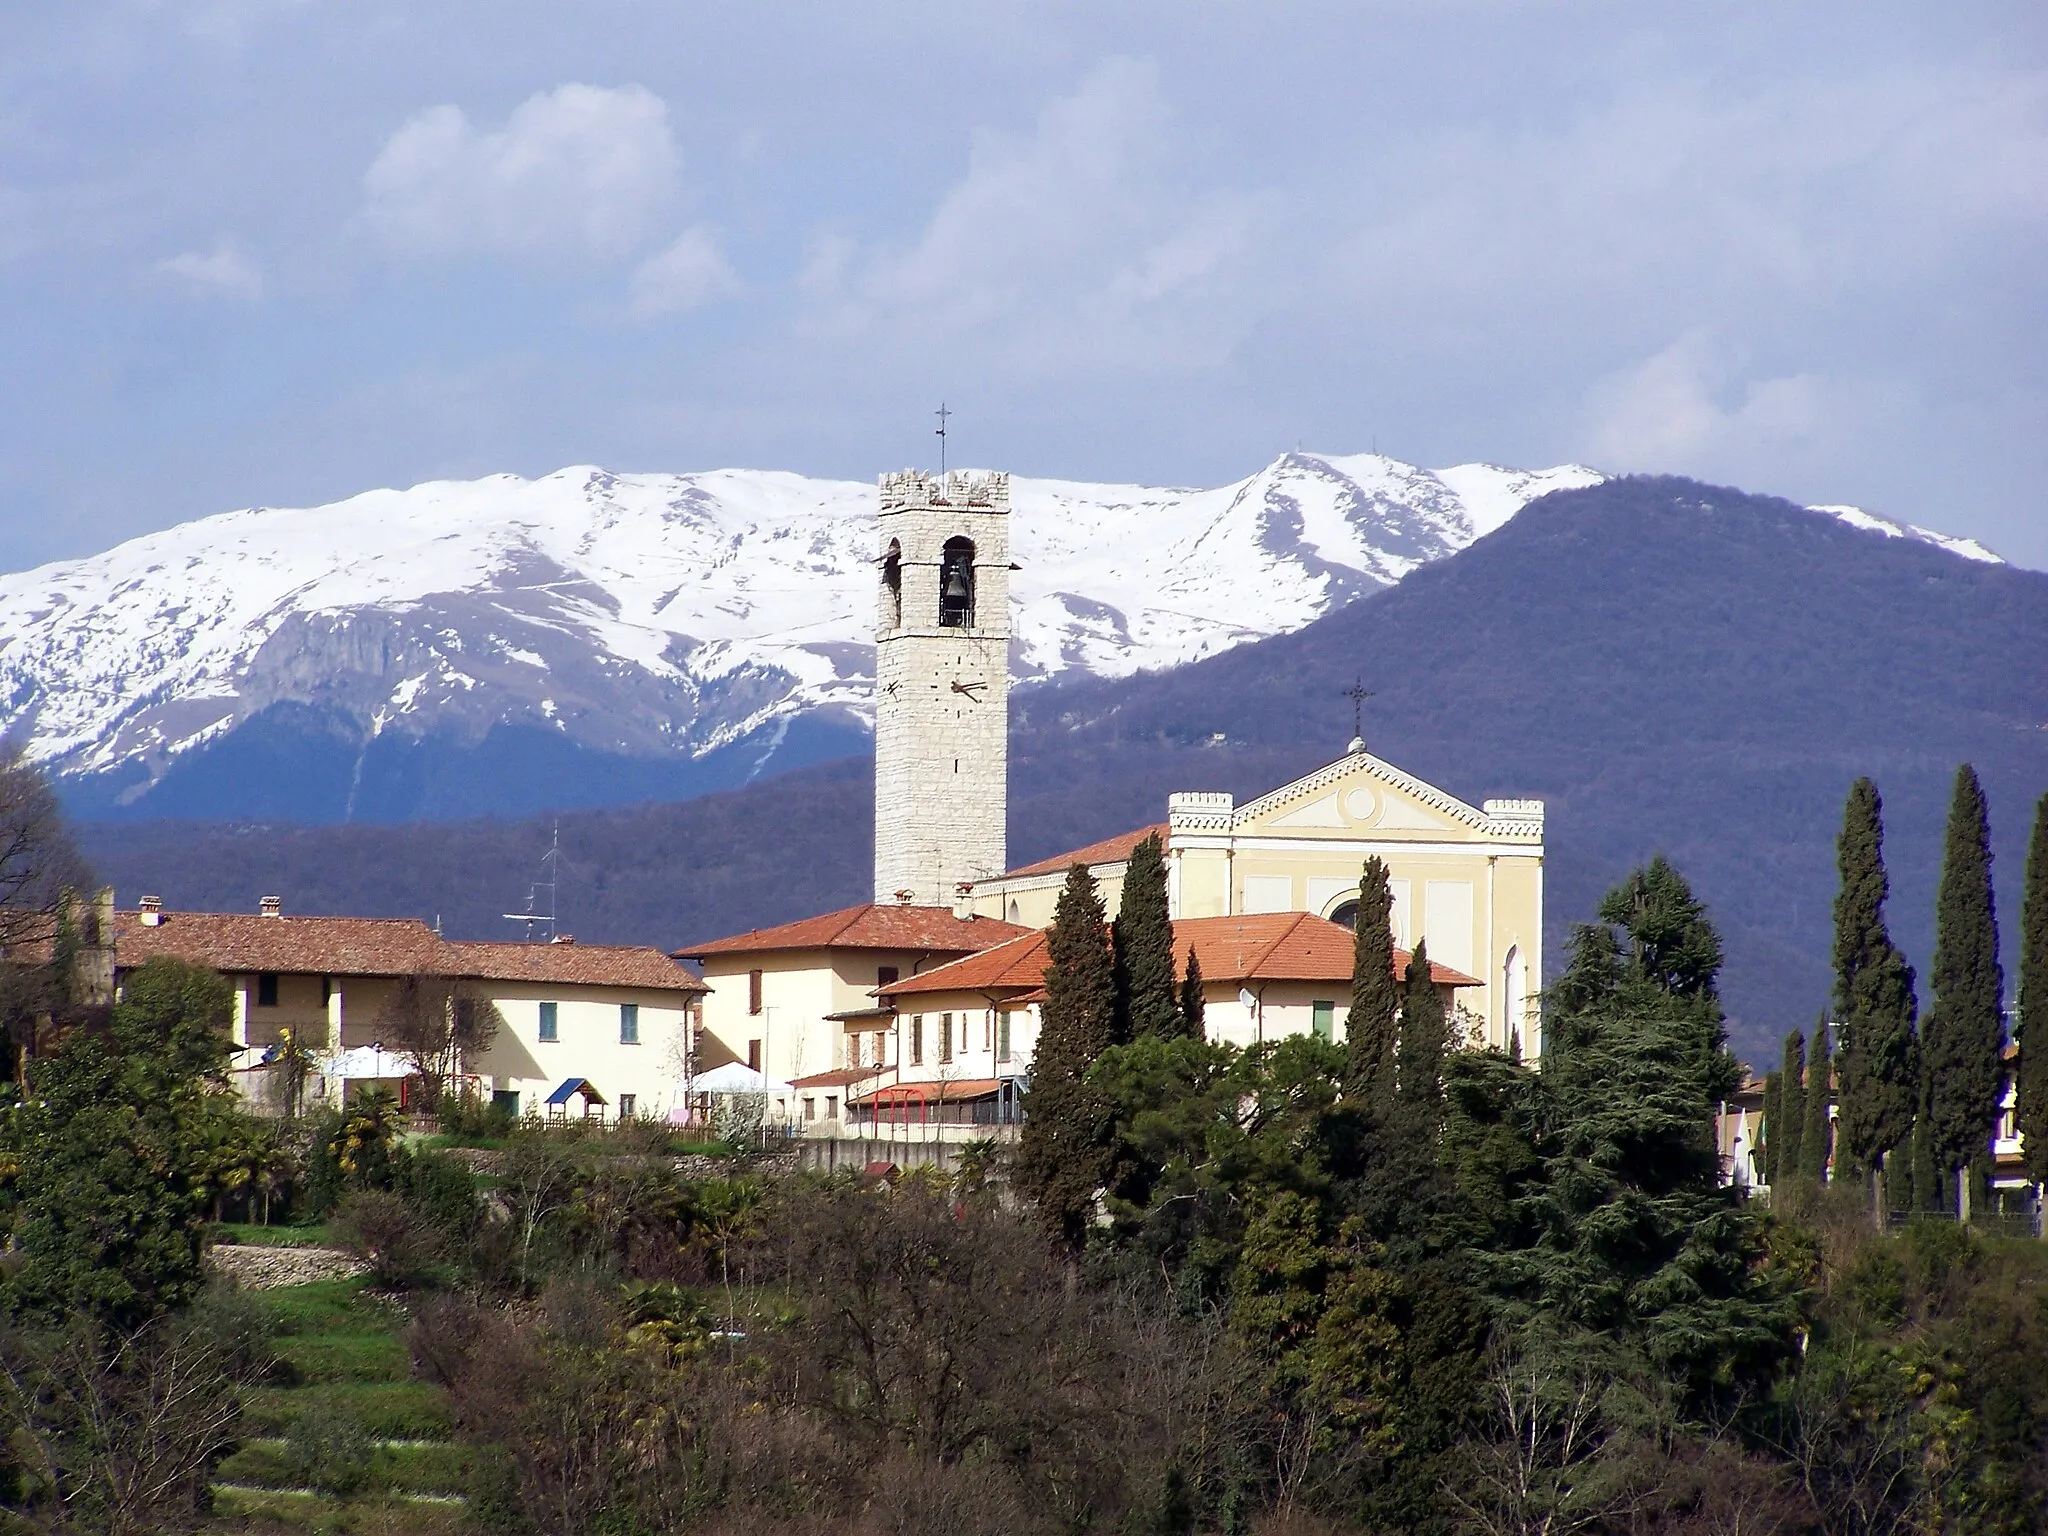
[{"x": 275, "y": 252}]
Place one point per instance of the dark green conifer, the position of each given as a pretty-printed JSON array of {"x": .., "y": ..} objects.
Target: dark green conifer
[
  {"x": 1965, "y": 1025},
  {"x": 1813, "y": 1136},
  {"x": 1369, "y": 1025},
  {"x": 1142, "y": 942},
  {"x": 1928, "y": 1193},
  {"x": 1878, "y": 1059},
  {"x": 1787, "y": 1137},
  {"x": 1421, "y": 1054},
  {"x": 1192, "y": 1005},
  {"x": 2032, "y": 1029},
  {"x": 1772, "y": 1127},
  {"x": 2033, "y": 1001},
  {"x": 1062, "y": 1155}
]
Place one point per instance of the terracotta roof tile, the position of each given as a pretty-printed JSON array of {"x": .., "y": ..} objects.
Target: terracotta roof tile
[
  {"x": 380, "y": 946},
  {"x": 595, "y": 965},
  {"x": 244, "y": 941},
  {"x": 876, "y": 925},
  {"x": 1109, "y": 851},
  {"x": 1276, "y": 946}
]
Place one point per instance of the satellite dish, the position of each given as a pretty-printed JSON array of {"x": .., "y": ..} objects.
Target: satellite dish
[{"x": 1244, "y": 995}]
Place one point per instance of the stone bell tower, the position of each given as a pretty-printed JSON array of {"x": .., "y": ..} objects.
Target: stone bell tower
[{"x": 942, "y": 684}]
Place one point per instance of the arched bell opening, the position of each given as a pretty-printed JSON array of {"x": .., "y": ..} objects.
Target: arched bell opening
[
  {"x": 892, "y": 586},
  {"x": 956, "y": 584},
  {"x": 1346, "y": 914}
]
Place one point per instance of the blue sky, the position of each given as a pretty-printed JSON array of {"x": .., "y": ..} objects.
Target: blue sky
[{"x": 279, "y": 251}]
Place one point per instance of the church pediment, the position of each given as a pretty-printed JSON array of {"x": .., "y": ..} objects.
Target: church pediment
[{"x": 1361, "y": 796}]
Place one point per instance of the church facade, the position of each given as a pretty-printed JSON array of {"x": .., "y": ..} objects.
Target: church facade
[{"x": 1469, "y": 879}]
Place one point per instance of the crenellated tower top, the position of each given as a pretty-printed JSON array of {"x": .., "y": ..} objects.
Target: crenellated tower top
[{"x": 958, "y": 490}]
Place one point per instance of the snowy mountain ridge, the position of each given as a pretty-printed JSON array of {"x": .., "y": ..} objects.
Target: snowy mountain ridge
[{"x": 670, "y": 616}]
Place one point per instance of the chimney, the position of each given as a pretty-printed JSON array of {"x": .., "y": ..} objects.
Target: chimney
[
  {"x": 963, "y": 901},
  {"x": 905, "y": 898},
  {"x": 152, "y": 909},
  {"x": 271, "y": 906},
  {"x": 566, "y": 938}
]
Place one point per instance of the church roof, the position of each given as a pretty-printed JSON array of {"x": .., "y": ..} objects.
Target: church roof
[
  {"x": 1270, "y": 946},
  {"x": 1110, "y": 850},
  {"x": 875, "y": 925}
]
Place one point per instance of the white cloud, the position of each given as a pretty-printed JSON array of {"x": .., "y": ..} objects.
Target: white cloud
[
  {"x": 690, "y": 272},
  {"x": 223, "y": 272},
  {"x": 1688, "y": 408},
  {"x": 579, "y": 171},
  {"x": 1069, "y": 247}
]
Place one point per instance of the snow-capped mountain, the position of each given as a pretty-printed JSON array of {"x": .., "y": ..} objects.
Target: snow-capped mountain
[{"x": 651, "y": 619}]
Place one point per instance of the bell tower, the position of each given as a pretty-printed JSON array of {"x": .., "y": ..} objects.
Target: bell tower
[{"x": 942, "y": 683}]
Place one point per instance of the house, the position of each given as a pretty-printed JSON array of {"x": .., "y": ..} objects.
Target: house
[
  {"x": 617, "y": 1016},
  {"x": 797, "y": 1002},
  {"x": 961, "y": 1036}
]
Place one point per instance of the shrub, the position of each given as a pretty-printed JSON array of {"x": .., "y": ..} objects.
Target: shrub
[
  {"x": 384, "y": 1232},
  {"x": 328, "y": 1450}
]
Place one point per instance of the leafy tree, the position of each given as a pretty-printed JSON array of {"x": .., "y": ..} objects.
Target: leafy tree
[
  {"x": 1193, "y": 1007},
  {"x": 2033, "y": 1000},
  {"x": 1062, "y": 1156},
  {"x": 1788, "y": 1143},
  {"x": 1965, "y": 1025},
  {"x": 1600, "y": 1173},
  {"x": 1421, "y": 1056},
  {"x": 1879, "y": 1054},
  {"x": 1369, "y": 1025},
  {"x": 1141, "y": 942},
  {"x": 1814, "y": 1135},
  {"x": 107, "y": 1167}
]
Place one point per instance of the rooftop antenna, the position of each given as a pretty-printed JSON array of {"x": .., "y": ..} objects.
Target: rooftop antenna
[
  {"x": 1358, "y": 693},
  {"x": 550, "y": 864},
  {"x": 942, "y": 413}
]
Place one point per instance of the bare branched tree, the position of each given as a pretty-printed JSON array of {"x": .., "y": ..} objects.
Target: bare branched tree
[
  {"x": 441, "y": 1026},
  {"x": 39, "y": 863}
]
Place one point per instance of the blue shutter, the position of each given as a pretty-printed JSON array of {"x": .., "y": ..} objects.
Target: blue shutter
[
  {"x": 550, "y": 1023},
  {"x": 629, "y": 1023}
]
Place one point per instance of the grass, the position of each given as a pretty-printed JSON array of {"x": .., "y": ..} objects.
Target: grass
[{"x": 352, "y": 1366}]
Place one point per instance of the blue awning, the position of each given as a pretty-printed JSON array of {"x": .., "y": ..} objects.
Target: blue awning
[{"x": 574, "y": 1086}]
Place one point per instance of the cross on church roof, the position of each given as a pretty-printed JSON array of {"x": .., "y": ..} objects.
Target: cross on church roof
[
  {"x": 1358, "y": 693},
  {"x": 942, "y": 413}
]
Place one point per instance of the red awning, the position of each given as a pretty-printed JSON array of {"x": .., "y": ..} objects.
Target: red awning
[{"x": 934, "y": 1093}]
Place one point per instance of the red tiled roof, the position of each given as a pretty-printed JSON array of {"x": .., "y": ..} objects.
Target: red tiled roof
[
  {"x": 244, "y": 941},
  {"x": 380, "y": 946},
  {"x": 874, "y": 926},
  {"x": 593, "y": 965},
  {"x": 1109, "y": 851},
  {"x": 1274, "y": 946}
]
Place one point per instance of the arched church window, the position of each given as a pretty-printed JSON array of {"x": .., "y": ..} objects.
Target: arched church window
[
  {"x": 956, "y": 584},
  {"x": 1346, "y": 915},
  {"x": 892, "y": 586}
]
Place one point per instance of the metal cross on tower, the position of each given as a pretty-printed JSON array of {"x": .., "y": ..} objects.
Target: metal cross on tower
[
  {"x": 942, "y": 413},
  {"x": 1358, "y": 693}
]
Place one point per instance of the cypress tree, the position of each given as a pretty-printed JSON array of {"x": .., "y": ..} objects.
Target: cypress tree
[
  {"x": 2033, "y": 1001},
  {"x": 1421, "y": 1055},
  {"x": 1142, "y": 943},
  {"x": 1965, "y": 1024},
  {"x": 1192, "y": 1006},
  {"x": 1369, "y": 1025},
  {"x": 1928, "y": 1194},
  {"x": 1062, "y": 1155},
  {"x": 1813, "y": 1136},
  {"x": 1767, "y": 1158},
  {"x": 1878, "y": 1062},
  {"x": 1791, "y": 1108}
]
